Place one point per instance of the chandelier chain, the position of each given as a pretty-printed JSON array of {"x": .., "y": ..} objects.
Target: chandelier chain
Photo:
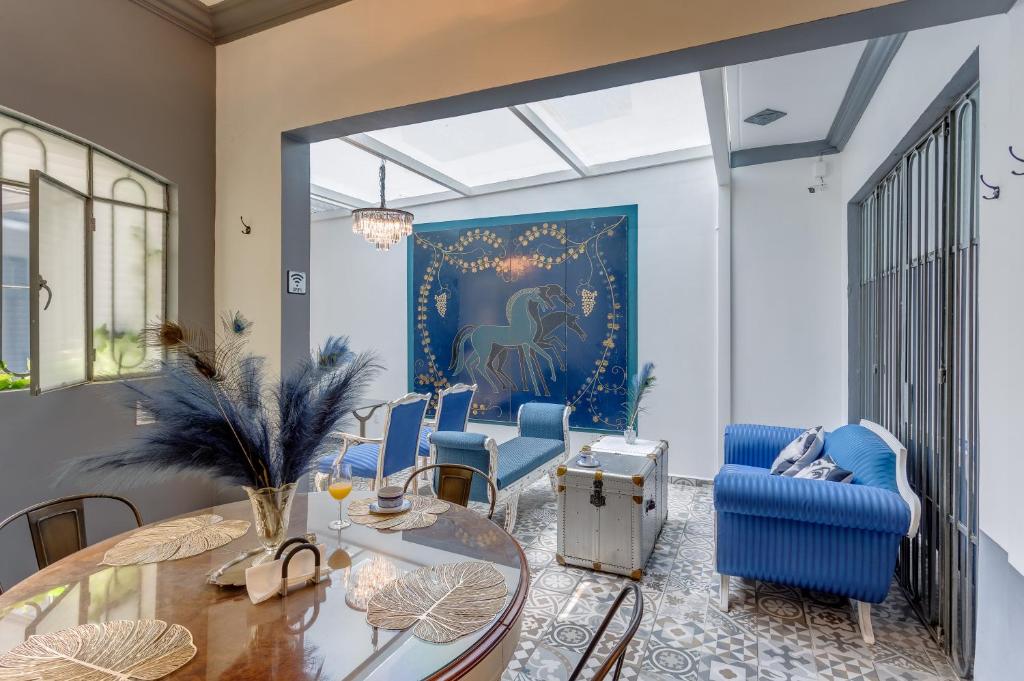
[{"x": 381, "y": 183}]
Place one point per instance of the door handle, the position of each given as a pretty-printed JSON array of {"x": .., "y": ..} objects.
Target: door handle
[{"x": 49, "y": 294}]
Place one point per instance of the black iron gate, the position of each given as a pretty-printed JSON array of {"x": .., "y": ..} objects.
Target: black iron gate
[{"x": 918, "y": 334}]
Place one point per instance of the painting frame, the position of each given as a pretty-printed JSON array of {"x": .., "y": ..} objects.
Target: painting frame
[{"x": 631, "y": 211}]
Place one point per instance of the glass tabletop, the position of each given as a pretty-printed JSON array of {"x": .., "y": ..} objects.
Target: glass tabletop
[{"x": 313, "y": 633}]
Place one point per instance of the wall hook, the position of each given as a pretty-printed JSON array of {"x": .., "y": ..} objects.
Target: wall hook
[
  {"x": 995, "y": 189},
  {"x": 248, "y": 228},
  {"x": 1016, "y": 158}
]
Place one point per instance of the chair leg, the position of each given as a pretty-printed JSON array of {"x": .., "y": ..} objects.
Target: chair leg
[
  {"x": 723, "y": 592},
  {"x": 864, "y": 620},
  {"x": 553, "y": 480},
  {"x": 511, "y": 511}
]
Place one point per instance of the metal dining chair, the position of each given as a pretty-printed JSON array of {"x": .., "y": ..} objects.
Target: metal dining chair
[
  {"x": 453, "y": 482},
  {"x": 58, "y": 526},
  {"x": 618, "y": 654}
]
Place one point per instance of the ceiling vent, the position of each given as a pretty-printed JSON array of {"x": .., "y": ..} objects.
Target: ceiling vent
[{"x": 765, "y": 117}]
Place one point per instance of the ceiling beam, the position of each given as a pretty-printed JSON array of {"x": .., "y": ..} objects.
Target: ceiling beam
[
  {"x": 780, "y": 152},
  {"x": 870, "y": 70},
  {"x": 712, "y": 85},
  {"x": 381, "y": 150},
  {"x": 874, "y": 62},
  {"x": 526, "y": 114}
]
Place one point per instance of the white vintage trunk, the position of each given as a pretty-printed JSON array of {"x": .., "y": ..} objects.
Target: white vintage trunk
[{"x": 609, "y": 517}]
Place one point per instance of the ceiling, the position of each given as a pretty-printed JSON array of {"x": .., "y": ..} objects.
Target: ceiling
[
  {"x": 595, "y": 133},
  {"x": 808, "y": 86}
]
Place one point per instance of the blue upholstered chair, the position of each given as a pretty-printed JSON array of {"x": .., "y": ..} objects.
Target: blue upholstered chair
[
  {"x": 840, "y": 538},
  {"x": 378, "y": 458},
  {"x": 452, "y": 413},
  {"x": 542, "y": 444}
]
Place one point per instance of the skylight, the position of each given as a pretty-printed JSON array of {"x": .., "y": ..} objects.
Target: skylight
[
  {"x": 625, "y": 122},
  {"x": 342, "y": 168},
  {"x": 476, "y": 149},
  {"x": 622, "y": 128}
]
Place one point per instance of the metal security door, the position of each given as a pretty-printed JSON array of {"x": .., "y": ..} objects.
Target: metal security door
[{"x": 918, "y": 333}]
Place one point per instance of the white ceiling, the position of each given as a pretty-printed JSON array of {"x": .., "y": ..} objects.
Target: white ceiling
[
  {"x": 622, "y": 128},
  {"x": 808, "y": 86}
]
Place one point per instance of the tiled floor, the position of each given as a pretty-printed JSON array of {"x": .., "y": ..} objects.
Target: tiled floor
[{"x": 771, "y": 632}]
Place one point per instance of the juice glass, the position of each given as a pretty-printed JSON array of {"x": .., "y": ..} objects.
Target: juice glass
[{"x": 339, "y": 486}]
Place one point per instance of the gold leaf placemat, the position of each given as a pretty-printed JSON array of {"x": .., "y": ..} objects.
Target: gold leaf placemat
[
  {"x": 423, "y": 513},
  {"x": 445, "y": 601},
  {"x": 112, "y": 651},
  {"x": 175, "y": 539}
]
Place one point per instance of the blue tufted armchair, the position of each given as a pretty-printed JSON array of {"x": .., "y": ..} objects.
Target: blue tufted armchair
[
  {"x": 542, "y": 444},
  {"x": 840, "y": 538}
]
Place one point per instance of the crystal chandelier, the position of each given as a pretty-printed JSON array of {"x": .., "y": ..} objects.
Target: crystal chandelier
[{"x": 383, "y": 227}]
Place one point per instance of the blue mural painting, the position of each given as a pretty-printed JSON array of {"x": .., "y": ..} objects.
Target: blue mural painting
[{"x": 529, "y": 307}]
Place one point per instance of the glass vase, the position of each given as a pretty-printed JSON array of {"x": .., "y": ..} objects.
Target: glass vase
[
  {"x": 271, "y": 511},
  {"x": 629, "y": 435}
]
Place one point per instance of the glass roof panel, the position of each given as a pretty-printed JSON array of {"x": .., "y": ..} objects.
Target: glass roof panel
[
  {"x": 630, "y": 121},
  {"x": 338, "y": 165},
  {"x": 476, "y": 149}
]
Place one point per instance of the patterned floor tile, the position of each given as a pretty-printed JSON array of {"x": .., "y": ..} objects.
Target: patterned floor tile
[
  {"x": 771, "y": 632},
  {"x": 839, "y": 667},
  {"x": 786, "y": 658}
]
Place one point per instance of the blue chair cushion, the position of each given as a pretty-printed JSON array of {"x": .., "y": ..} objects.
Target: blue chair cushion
[
  {"x": 363, "y": 459},
  {"x": 857, "y": 449},
  {"x": 522, "y": 455}
]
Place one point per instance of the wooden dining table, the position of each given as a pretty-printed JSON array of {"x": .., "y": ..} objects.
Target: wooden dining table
[{"x": 318, "y": 632}]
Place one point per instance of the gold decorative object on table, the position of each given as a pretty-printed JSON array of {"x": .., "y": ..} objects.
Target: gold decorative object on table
[
  {"x": 445, "y": 601},
  {"x": 113, "y": 651},
  {"x": 175, "y": 539},
  {"x": 423, "y": 513}
]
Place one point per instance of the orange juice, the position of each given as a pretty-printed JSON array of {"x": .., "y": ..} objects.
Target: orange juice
[{"x": 339, "y": 490}]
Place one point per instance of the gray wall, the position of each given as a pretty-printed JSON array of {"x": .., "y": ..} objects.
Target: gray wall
[
  {"x": 1000, "y": 615},
  {"x": 119, "y": 76}
]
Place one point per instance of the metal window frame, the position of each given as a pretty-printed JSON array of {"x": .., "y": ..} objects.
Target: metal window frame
[
  {"x": 35, "y": 281},
  {"x": 916, "y": 308},
  {"x": 29, "y": 127}
]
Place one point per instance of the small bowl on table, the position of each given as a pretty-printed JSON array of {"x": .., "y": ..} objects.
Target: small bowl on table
[{"x": 390, "y": 499}]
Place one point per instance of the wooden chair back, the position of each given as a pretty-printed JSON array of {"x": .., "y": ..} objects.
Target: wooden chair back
[{"x": 454, "y": 482}]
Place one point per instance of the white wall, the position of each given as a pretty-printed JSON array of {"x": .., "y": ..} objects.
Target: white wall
[
  {"x": 924, "y": 65},
  {"x": 788, "y": 297},
  {"x": 338, "y": 63},
  {"x": 362, "y": 293}
]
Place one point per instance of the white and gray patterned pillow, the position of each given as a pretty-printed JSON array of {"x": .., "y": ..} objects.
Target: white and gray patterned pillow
[
  {"x": 825, "y": 469},
  {"x": 799, "y": 453}
]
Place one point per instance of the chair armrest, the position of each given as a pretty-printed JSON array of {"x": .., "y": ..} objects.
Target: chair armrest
[
  {"x": 858, "y": 507},
  {"x": 544, "y": 420},
  {"x": 358, "y": 439},
  {"x": 469, "y": 449},
  {"x": 754, "y": 445}
]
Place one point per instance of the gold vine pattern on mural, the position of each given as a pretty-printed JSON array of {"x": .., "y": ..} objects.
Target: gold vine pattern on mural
[{"x": 469, "y": 254}]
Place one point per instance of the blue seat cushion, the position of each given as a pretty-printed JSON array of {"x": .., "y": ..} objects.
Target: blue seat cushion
[
  {"x": 363, "y": 459},
  {"x": 522, "y": 455}
]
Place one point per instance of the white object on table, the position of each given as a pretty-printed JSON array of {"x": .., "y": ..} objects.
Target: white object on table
[{"x": 264, "y": 581}]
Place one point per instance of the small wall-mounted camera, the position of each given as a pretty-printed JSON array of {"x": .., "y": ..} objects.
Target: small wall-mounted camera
[{"x": 819, "y": 172}]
